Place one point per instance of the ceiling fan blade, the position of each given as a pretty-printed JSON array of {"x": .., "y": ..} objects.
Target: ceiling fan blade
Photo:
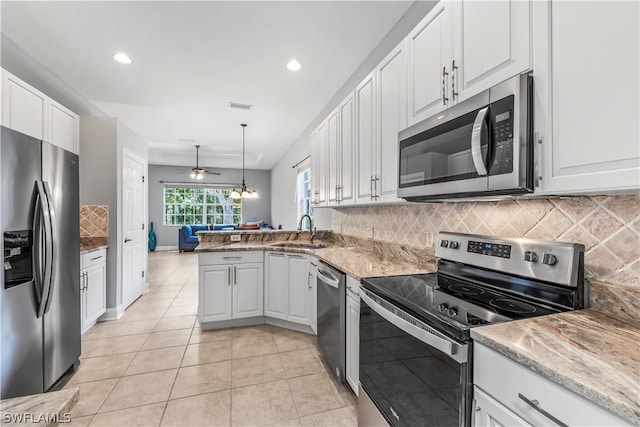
[{"x": 212, "y": 173}]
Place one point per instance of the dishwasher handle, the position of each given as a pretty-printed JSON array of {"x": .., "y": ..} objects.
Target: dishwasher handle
[{"x": 328, "y": 278}]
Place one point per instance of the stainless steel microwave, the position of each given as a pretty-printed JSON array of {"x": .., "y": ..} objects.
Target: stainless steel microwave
[{"x": 482, "y": 146}]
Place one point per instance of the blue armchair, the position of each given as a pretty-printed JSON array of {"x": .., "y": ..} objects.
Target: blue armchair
[{"x": 187, "y": 237}]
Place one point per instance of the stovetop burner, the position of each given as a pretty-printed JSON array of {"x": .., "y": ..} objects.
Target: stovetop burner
[
  {"x": 465, "y": 289},
  {"x": 512, "y": 306}
]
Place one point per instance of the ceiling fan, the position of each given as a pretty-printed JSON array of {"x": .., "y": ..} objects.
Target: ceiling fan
[{"x": 197, "y": 172}]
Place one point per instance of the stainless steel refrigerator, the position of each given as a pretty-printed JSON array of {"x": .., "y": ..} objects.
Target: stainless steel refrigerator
[{"x": 40, "y": 292}]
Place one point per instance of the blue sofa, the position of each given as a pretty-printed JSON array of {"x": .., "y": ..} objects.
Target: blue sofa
[{"x": 187, "y": 237}]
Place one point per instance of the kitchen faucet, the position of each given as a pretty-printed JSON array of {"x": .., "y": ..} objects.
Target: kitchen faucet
[{"x": 311, "y": 227}]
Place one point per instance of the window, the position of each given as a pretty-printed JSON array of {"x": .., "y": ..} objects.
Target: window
[
  {"x": 200, "y": 205},
  {"x": 303, "y": 194}
]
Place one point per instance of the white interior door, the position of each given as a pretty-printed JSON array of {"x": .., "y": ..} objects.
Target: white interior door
[{"x": 133, "y": 219}]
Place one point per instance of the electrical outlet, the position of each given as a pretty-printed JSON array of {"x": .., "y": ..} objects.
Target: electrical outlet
[
  {"x": 236, "y": 237},
  {"x": 369, "y": 232},
  {"x": 429, "y": 239}
]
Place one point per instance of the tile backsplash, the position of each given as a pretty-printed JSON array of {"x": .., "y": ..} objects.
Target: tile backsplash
[
  {"x": 94, "y": 221},
  {"x": 608, "y": 226}
]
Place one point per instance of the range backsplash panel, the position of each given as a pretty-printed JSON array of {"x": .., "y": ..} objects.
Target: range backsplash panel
[{"x": 608, "y": 226}]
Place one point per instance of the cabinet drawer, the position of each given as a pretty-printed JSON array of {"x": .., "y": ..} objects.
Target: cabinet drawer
[
  {"x": 92, "y": 258},
  {"x": 504, "y": 380},
  {"x": 232, "y": 257}
]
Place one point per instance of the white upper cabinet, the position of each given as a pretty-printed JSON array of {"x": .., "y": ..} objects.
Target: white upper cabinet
[
  {"x": 346, "y": 142},
  {"x": 392, "y": 117},
  {"x": 23, "y": 107},
  {"x": 587, "y": 111},
  {"x": 64, "y": 127},
  {"x": 29, "y": 111},
  {"x": 366, "y": 138},
  {"x": 491, "y": 43},
  {"x": 429, "y": 48},
  {"x": 319, "y": 162},
  {"x": 333, "y": 159},
  {"x": 463, "y": 47}
]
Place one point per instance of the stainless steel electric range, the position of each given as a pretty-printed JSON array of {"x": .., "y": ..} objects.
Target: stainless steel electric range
[{"x": 415, "y": 351}]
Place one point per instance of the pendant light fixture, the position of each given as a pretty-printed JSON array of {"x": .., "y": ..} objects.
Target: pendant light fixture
[{"x": 241, "y": 191}]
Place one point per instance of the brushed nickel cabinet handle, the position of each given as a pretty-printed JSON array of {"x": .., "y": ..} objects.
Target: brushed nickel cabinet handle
[
  {"x": 536, "y": 405},
  {"x": 444, "y": 85},
  {"x": 454, "y": 72}
]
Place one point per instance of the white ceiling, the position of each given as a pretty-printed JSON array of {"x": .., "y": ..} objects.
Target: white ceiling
[{"x": 190, "y": 59}]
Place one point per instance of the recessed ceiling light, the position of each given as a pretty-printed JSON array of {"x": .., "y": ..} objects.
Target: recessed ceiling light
[
  {"x": 122, "y": 57},
  {"x": 294, "y": 65}
]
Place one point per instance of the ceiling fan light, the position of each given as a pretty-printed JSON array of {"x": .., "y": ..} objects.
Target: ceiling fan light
[
  {"x": 193, "y": 175},
  {"x": 199, "y": 176}
]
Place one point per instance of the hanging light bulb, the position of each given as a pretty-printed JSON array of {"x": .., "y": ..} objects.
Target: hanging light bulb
[
  {"x": 241, "y": 191},
  {"x": 199, "y": 176},
  {"x": 193, "y": 175}
]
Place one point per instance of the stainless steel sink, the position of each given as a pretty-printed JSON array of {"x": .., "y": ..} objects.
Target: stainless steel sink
[{"x": 300, "y": 245}]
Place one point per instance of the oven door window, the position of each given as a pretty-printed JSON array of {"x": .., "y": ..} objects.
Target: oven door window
[
  {"x": 411, "y": 383},
  {"x": 441, "y": 154}
]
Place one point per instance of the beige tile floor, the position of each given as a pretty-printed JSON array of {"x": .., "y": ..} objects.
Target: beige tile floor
[{"x": 155, "y": 366}]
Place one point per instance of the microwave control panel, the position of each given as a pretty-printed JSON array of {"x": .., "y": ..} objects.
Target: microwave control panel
[{"x": 502, "y": 128}]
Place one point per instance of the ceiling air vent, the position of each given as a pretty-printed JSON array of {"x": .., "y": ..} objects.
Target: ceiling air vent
[{"x": 239, "y": 105}]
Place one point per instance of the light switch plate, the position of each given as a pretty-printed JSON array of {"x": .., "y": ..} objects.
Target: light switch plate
[
  {"x": 429, "y": 239},
  {"x": 236, "y": 237}
]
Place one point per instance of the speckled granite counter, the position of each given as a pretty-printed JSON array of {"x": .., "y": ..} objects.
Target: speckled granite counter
[
  {"x": 592, "y": 354},
  {"x": 90, "y": 244},
  {"x": 47, "y": 409},
  {"x": 357, "y": 262}
]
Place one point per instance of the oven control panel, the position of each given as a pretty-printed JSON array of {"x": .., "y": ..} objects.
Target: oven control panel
[
  {"x": 555, "y": 262},
  {"x": 491, "y": 249}
]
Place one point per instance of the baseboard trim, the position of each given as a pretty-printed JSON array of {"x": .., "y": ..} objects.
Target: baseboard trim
[
  {"x": 166, "y": 248},
  {"x": 113, "y": 313}
]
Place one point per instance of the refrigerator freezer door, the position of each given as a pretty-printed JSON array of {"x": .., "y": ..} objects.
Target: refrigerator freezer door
[
  {"x": 21, "y": 330},
  {"x": 62, "y": 314}
]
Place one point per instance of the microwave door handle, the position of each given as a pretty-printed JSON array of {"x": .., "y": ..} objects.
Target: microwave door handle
[{"x": 479, "y": 126}]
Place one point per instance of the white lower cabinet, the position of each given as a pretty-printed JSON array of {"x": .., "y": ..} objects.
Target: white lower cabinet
[
  {"x": 287, "y": 287},
  {"x": 353, "y": 334},
  {"x": 312, "y": 295},
  {"x": 502, "y": 388},
  {"x": 93, "y": 293},
  {"x": 230, "y": 286}
]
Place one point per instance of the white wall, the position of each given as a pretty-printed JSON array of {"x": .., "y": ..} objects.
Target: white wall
[
  {"x": 252, "y": 210},
  {"x": 102, "y": 140},
  {"x": 283, "y": 182}
]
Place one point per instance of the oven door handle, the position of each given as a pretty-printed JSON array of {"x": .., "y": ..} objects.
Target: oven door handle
[
  {"x": 479, "y": 126},
  {"x": 454, "y": 350}
]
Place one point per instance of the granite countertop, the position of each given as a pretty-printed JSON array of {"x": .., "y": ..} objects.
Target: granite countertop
[
  {"x": 590, "y": 353},
  {"x": 356, "y": 262},
  {"x": 90, "y": 244},
  {"x": 46, "y": 409}
]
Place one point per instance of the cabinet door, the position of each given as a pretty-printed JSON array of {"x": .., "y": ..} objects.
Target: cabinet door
[
  {"x": 590, "y": 139},
  {"x": 490, "y": 413},
  {"x": 332, "y": 159},
  {"x": 248, "y": 290},
  {"x": 392, "y": 116},
  {"x": 275, "y": 304},
  {"x": 430, "y": 51},
  {"x": 492, "y": 43},
  {"x": 95, "y": 293},
  {"x": 365, "y": 138},
  {"x": 23, "y": 107},
  {"x": 298, "y": 266},
  {"x": 353, "y": 343},
  {"x": 312, "y": 300},
  {"x": 214, "y": 296},
  {"x": 319, "y": 154},
  {"x": 346, "y": 162},
  {"x": 63, "y": 127}
]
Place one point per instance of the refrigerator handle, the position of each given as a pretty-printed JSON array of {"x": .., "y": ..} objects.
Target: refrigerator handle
[
  {"x": 53, "y": 253},
  {"x": 44, "y": 220},
  {"x": 37, "y": 247}
]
